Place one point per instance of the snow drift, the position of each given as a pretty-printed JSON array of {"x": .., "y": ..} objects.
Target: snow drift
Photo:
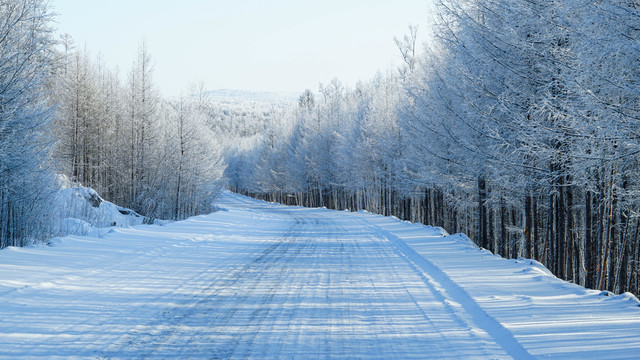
[{"x": 83, "y": 212}]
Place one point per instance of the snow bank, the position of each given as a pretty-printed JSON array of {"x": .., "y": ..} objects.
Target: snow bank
[
  {"x": 82, "y": 211},
  {"x": 258, "y": 280}
]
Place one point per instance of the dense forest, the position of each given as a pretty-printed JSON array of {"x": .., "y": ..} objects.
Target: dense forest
[
  {"x": 66, "y": 117},
  {"x": 25, "y": 115},
  {"x": 517, "y": 125},
  {"x": 123, "y": 139}
]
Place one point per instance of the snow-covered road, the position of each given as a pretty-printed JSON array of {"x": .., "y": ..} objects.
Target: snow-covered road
[{"x": 260, "y": 281}]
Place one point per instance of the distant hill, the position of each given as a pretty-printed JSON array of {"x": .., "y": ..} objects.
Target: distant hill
[{"x": 223, "y": 95}]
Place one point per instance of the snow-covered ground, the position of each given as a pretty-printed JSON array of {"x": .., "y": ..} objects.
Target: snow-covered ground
[
  {"x": 81, "y": 211},
  {"x": 258, "y": 280}
]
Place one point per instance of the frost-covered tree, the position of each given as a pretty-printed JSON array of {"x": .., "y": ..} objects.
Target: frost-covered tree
[
  {"x": 517, "y": 125},
  {"x": 80, "y": 105},
  {"x": 142, "y": 121},
  {"x": 159, "y": 157},
  {"x": 605, "y": 105},
  {"x": 191, "y": 166},
  {"x": 25, "y": 65}
]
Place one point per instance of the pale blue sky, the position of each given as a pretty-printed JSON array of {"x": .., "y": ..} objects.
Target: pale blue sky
[{"x": 281, "y": 45}]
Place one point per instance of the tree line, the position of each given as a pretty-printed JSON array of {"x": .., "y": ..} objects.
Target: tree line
[
  {"x": 156, "y": 156},
  {"x": 25, "y": 114},
  {"x": 516, "y": 124},
  {"x": 64, "y": 113}
]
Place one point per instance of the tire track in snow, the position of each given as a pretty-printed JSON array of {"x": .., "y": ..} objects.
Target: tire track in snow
[
  {"x": 332, "y": 285},
  {"x": 451, "y": 293},
  {"x": 247, "y": 284},
  {"x": 161, "y": 332},
  {"x": 111, "y": 275},
  {"x": 286, "y": 253}
]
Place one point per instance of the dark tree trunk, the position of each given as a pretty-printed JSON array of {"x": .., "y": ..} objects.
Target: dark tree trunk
[
  {"x": 570, "y": 247},
  {"x": 528, "y": 246},
  {"x": 504, "y": 238},
  {"x": 589, "y": 246},
  {"x": 536, "y": 233},
  {"x": 482, "y": 213}
]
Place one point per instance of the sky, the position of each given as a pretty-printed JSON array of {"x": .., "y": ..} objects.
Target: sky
[{"x": 275, "y": 45}]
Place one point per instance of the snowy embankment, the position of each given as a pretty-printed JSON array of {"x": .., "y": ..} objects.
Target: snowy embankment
[
  {"x": 259, "y": 280},
  {"x": 82, "y": 211}
]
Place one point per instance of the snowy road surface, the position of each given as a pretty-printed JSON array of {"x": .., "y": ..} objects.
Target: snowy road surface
[{"x": 261, "y": 281}]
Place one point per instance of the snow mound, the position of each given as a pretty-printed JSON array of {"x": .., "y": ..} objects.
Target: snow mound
[
  {"x": 462, "y": 238},
  {"x": 627, "y": 296},
  {"x": 435, "y": 230},
  {"x": 83, "y": 212}
]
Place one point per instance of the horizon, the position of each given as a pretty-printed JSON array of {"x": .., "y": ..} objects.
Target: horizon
[{"x": 282, "y": 46}]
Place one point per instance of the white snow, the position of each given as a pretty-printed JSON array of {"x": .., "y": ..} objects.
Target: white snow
[
  {"x": 259, "y": 280},
  {"x": 81, "y": 211}
]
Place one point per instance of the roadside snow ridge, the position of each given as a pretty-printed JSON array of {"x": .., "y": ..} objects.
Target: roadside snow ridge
[{"x": 264, "y": 281}]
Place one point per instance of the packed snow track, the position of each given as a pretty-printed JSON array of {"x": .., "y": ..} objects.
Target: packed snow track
[{"x": 263, "y": 281}]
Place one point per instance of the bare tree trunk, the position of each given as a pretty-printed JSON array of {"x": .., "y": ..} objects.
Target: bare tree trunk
[
  {"x": 528, "y": 244},
  {"x": 635, "y": 267},
  {"x": 504, "y": 237},
  {"x": 535, "y": 232},
  {"x": 570, "y": 257},
  {"x": 482, "y": 212},
  {"x": 589, "y": 250},
  {"x": 622, "y": 263},
  {"x": 605, "y": 260},
  {"x": 549, "y": 233}
]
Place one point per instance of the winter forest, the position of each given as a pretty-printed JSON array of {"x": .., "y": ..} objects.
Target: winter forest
[{"x": 517, "y": 123}]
